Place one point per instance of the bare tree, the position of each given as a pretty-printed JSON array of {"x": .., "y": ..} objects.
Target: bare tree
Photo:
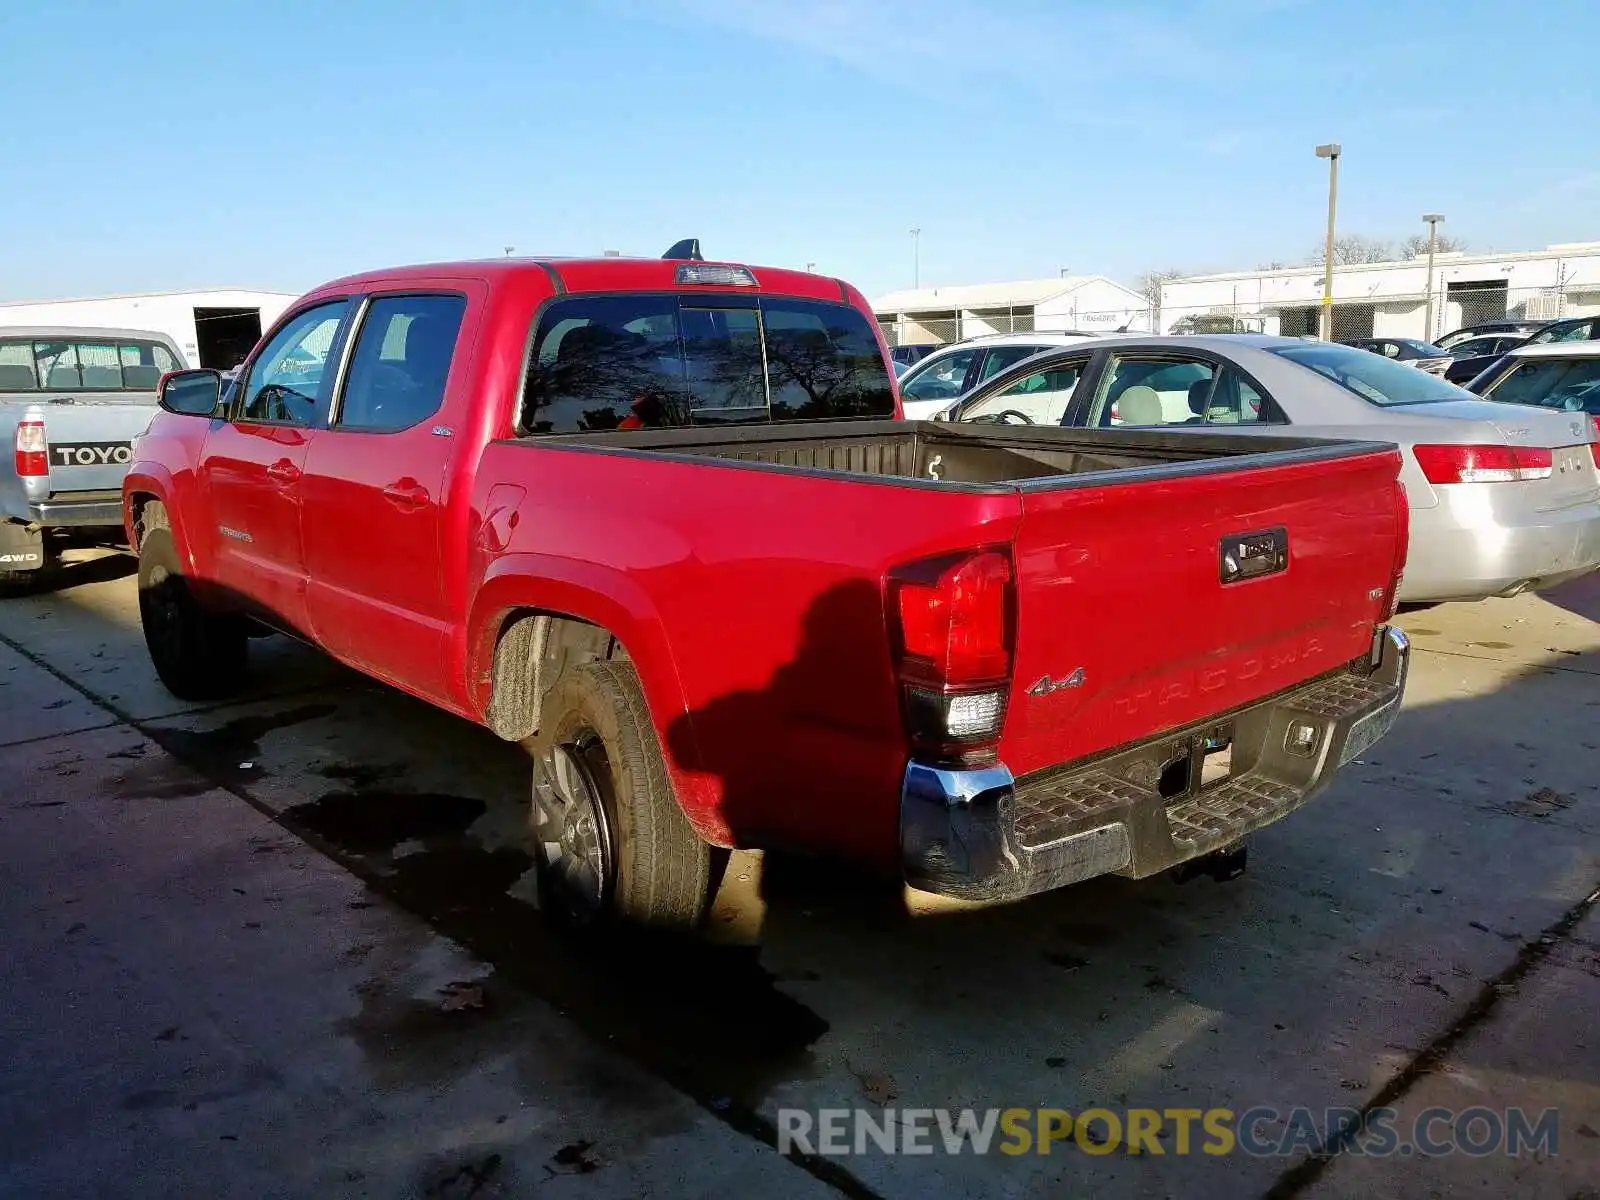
[
  {"x": 1355, "y": 248},
  {"x": 1417, "y": 245}
]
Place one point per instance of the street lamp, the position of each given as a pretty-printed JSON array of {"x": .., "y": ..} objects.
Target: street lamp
[
  {"x": 916, "y": 257},
  {"x": 1433, "y": 220},
  {"x": 811, "y": 266},
  {"x": 1330, "y": 151}
]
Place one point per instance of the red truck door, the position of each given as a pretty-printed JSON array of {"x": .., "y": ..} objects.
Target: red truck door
[
  {"x": 373, "y": 493},
  {"x": 251, "y": 467}
]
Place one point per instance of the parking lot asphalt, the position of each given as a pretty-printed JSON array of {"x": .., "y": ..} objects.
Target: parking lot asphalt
[{"x": 281, "y": 946}]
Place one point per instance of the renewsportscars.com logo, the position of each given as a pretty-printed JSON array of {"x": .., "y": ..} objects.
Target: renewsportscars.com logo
[{"x": 1264, "y": 1131}]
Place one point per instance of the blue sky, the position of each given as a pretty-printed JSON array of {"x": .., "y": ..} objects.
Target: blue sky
[{"x": 179, "y": 143}]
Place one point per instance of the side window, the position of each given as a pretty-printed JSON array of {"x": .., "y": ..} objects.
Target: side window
[
  {"x": 288, "y": 378},
  {"x": 726, "y": 375},
  {"x": 1040, "y": 399},
  {"x": 939, "y": 379},
  {"x": 605, "y": 362},
  {"x": 823, "y": 362},
  {"x": 400, "y": 362},
  {"x": 1144, "y": 391},
  {"x": 1001, "y": 357}
]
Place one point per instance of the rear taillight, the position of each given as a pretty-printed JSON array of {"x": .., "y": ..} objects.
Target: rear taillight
[
  {"x": 1402, "y": 547},
  {"x": 31, "y": 450},
  {"x": 1483, "y": 464},
  {"x": 952, "y": 620},
  {"x": 1594, "y": 443}
]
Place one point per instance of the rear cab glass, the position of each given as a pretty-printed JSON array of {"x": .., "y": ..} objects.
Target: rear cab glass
[
  {"x": 62, "y": 364},
  {"x": 650, "y": 361}
]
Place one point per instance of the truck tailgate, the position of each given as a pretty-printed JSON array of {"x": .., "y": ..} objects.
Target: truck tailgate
[
  {"x": 1127, "y": 626},
  {"x": 90, "y": 442}
]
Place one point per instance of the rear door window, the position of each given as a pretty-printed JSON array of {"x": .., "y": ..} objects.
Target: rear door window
[
  {"x": 1153, "y": 391},
  {"x": 653, "y": 361},
  {"x": 400, "y": 362}
]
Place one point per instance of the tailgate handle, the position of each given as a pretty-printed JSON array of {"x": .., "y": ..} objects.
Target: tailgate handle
[{"x": 1242, "y": 556}]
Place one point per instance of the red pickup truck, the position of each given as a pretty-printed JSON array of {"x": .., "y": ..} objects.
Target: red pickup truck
[{"x": 660, "y": 521}]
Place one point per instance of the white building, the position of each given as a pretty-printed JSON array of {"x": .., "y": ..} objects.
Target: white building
[
  {"x": 1389, "y": 299},
  {"x": 215, "y": 327},
  {"x": 948, "y": 314}
]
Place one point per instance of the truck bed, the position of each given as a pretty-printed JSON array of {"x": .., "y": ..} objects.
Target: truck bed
[{"x": 967, "y": 456}]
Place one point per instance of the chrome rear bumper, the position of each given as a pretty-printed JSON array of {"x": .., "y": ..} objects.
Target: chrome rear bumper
[{"x": 980, "y": 834}]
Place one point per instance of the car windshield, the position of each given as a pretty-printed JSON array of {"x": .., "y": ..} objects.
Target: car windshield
[
  {"x": 1376, "y": 379},
  {"x": 1569, "y": 384},
  {"x": 1420, "y": 348},
  {"x": 1473, "y": 347}
]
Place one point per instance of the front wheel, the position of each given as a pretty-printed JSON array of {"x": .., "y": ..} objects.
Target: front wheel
[
  {"x": 199, "y": 654},
  {"x": 609, "y": 840}
]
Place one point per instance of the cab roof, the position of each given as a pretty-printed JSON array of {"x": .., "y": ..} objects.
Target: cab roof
[{"x": 609, "y": 273}]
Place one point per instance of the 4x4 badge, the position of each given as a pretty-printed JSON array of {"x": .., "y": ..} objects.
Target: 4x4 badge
[{"x": 1045, "y": 685}]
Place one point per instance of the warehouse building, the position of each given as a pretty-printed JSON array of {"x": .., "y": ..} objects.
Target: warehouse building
[
  {"x": 950, "y": 314},
  {"x": 1390, "y": 299},
  {"x": 215, "y": 327}
]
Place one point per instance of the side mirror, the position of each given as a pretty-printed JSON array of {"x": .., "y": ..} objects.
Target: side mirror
[{"x": 190, "y": 393}]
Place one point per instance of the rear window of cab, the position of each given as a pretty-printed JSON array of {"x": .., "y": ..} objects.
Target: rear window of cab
[
  {"x": 651, "y": 361},
  {"x": 46, "y": 364}
]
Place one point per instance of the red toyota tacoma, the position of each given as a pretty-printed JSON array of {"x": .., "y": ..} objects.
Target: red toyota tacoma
[{"x": 660, "y": 520}]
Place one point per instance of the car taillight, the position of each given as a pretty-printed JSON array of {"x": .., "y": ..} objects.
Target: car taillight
[
  {"x": 952, "y": 620},
  {"x": 1594, "y": 443},
  {"x": 1483, "y": 464},
  {"x": 31, "y": 450}
]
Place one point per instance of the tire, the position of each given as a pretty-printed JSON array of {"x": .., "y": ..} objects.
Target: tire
[
  {"x": 199, "y": 654},
  {"x": 17, "y": 583},
  {"x": 601, "y": 793}
]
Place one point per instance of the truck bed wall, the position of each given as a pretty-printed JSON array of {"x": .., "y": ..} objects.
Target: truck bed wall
[{"x": 935, "y": 451}]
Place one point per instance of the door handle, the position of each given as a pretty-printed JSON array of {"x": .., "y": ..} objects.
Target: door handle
[
  {"x": 407, "y": 493},
  {"x": 284, "y": 471}
]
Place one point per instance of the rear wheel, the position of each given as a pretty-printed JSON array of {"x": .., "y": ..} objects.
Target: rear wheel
[
  {"x": 609, "y": 840},
  {"x": 199, "y": 654}
]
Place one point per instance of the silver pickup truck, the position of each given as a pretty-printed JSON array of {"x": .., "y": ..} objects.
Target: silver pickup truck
[{"x": 71, "y": 403}]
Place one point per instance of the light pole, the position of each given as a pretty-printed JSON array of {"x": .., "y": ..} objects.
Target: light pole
[
  {"x": 1433, "y": 220},
  {"x": 811, "y": 266},
  {"x": 916, "y": 257},
  {"x": 1330, "y": 151}
]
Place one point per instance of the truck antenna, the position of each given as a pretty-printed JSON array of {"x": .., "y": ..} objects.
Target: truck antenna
[{"x": 688, "y": 248}]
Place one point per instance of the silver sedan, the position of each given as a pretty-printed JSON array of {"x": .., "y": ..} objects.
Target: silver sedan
[{"x": 1503, "y": 497}]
